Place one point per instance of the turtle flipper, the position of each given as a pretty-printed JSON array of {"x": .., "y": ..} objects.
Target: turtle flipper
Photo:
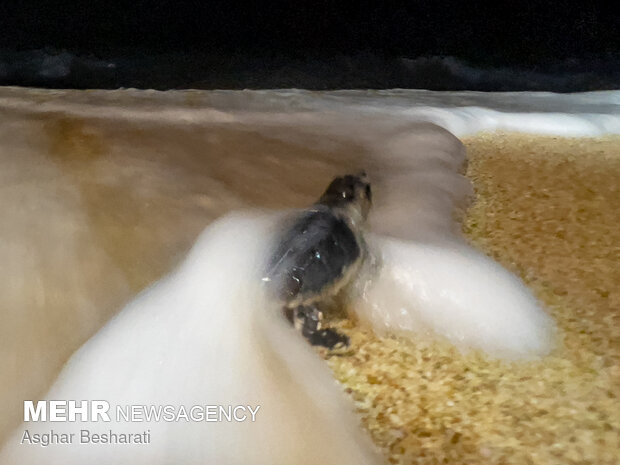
[
  {"x": 329, "y": 338},
  {"x": 307, "y": 319}
]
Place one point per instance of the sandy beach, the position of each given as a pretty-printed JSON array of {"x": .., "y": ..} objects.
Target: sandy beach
[
  {"x": 548, "y": 209},
  {"x": 105, "y": 196}
]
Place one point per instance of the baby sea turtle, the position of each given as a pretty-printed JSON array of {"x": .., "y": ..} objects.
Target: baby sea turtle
[{"x": 318, "y": 254}]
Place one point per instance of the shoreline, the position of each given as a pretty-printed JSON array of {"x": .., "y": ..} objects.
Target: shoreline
[
  {"x": 122, "y": 198},
  {"x": 545, "y": 208}
]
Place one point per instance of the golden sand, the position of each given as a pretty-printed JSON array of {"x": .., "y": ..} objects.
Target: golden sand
[{"x": 548, "y": 209}]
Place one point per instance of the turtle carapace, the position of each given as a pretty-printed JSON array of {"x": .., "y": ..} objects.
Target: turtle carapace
[{"x": 318, "y": 254}]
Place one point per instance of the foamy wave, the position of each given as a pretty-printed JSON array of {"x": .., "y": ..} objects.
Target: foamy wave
[
  {"x": 457, "y": 293},
  {"x": 204, "y": 335},
  {"x": 70, "y": 215}
]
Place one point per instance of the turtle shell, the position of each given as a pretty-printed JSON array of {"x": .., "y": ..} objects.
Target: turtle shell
[{"x": 312, "y": 256}]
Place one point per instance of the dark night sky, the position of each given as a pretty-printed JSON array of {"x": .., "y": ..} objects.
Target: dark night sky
[
  {"x": 319, "y": 44},
  {"x": 495, "y": 31}
]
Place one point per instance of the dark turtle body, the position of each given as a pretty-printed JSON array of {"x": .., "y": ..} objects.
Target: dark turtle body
[
  {"x": 318, "y": 254},
  {"x": 313, "y": 256}
]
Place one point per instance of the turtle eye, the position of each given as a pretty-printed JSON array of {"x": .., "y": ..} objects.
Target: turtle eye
[{"x": 348, "y": 192}]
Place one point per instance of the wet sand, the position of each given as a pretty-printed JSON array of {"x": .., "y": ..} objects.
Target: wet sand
[{"x": 548, "y": 209}]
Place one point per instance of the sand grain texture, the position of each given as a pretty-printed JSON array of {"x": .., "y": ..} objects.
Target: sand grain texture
[{"x": 548, "y": 209}]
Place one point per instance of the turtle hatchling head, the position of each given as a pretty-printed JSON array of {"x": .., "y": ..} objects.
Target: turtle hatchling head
[{"x": 351, "y": 192}]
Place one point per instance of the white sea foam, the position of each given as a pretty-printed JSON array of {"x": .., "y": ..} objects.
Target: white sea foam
[
  {"x": 580, "y": 114},
  {"x": 455, "y": 292},
  {"x": 167, "y": 344},
  {"x": 204, "y": 335},
  {"x": 428, "y": 279}
]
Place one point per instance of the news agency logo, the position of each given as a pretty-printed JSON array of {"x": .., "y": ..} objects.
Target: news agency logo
[
  {"x": 66, "y": 410},
  {"x": 95, "y": 411},
  {"x": 100, "y": 411}
]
